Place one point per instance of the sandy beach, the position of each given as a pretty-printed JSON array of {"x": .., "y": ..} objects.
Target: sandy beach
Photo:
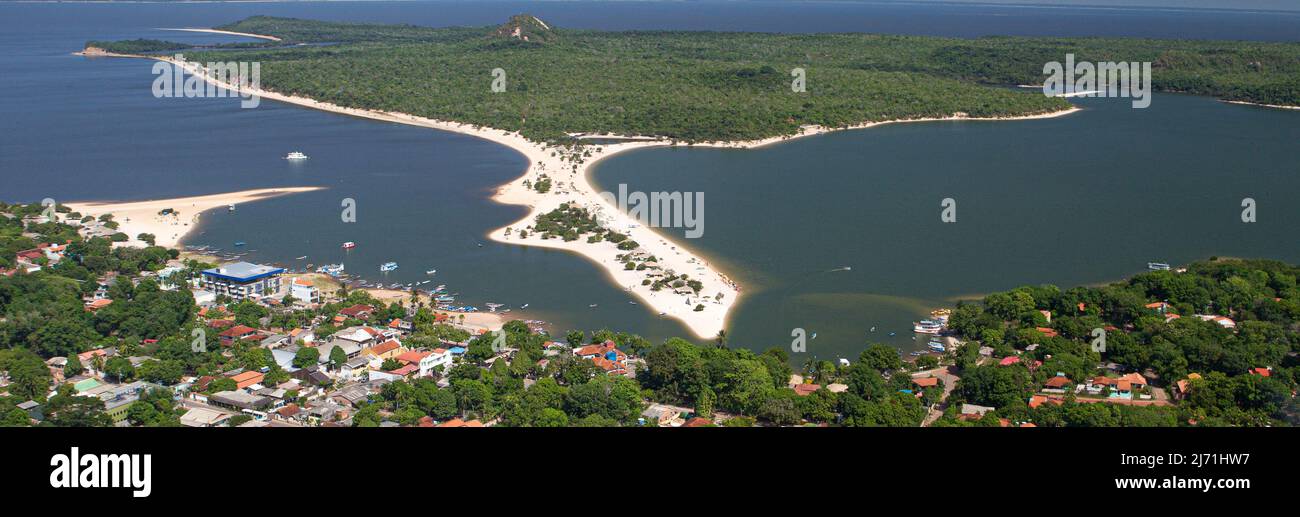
[
  {"x": 228, "y": 33},
  {"x": 136, "y": 217},
  {"x": 571, "y": 185}
]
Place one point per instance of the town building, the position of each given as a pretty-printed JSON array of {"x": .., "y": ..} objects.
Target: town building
[{"x": 243, "y": 280}]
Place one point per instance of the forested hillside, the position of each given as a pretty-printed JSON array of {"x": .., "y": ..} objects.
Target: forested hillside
[{"x": 701, "y": 86}]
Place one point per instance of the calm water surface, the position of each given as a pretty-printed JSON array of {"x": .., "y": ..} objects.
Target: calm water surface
[{"x": 1082, "y": 199}]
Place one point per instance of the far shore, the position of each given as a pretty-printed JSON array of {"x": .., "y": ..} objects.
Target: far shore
[
  {"x": 1274, "y": 106},
  {"x": 228, "y": 33},
  {"x": 137, "y": 217},
  {"x": 705, "y": 313}
]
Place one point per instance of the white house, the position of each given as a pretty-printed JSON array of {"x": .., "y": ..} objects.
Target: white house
[{"x": 302, "y": 289}]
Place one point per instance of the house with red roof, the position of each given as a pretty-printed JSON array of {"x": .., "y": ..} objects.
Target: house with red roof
[
  {"x": 804, "y": 389},
  {"x": 303, "y": 289},
  {"x": 1182, "y": 386},
  {"x": 1160, "y": 307},
  {"x": 96, "y": 305},
  {"x": 407, "y": 370},
  {"x": 699, "y": 421},
  {"x": 606, "y": 356},
  {"x": 237, "y": 333},
  {"x": 456, "y": 422},
  {"x": 247, "y": 378},
  {"x": 426, "y": 362},
  {"x": 1059, "y": 382},
  {"x": 1222, "y": 321},
  {"x": 359, "y": 311},
  {"x": 401, "y": 325},
  {"x": 1123, "y": 386},
  {"x": 386, "y": 350}
]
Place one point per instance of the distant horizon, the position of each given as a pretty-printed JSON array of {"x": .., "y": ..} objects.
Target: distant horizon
[
  {"x": 1228, "y": 5},
  {"x": 1225, "y": 5}
]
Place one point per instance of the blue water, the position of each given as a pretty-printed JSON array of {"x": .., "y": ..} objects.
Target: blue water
[{"x": 73, "y": 128}]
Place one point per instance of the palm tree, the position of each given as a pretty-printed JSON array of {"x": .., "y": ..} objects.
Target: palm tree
[{"x": 722, "y": 338}]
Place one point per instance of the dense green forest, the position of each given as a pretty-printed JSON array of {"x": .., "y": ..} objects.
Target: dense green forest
[
  {"x": 701, "y": 86},
  {"x": 1166, "y": 343}
]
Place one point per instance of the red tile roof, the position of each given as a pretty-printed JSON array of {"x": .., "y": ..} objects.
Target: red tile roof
[
  {"x": 385, "y": 347},
  {"x": 926, "y": 382},
  {"x": 357, "y": 310},
  {"x": 289, "y": 410},
  {"x": 804, "y": 390},
  {"x": 238, "y": 331},
  {"x": 456, "y": 422},
  {"x": 406, "y": 370},
  {"x": 411, "y": 356},
  {"x": 698, "y": 422},
  {"x": 246, "y": 379}
]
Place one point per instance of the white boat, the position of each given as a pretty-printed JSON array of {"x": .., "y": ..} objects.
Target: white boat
[
  {"x": 388, "y": 266},
  {"x": 592, "y": 306},
  {"x": 431, "y": 271},
  {"x": 927, "y": 327},
  {"x": 1157, "y": 266},
  {"x": 349, "y": 245},
  {"x": 524, "y": 306},
  {"x": 295, "y": 156},
  {"x": 231, "y": 208}
]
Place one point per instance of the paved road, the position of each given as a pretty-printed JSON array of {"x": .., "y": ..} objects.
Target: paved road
[{"x": 949, "y": 383}]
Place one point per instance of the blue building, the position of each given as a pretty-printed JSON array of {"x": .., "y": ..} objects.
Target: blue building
[{"x": 243, "y": 280}]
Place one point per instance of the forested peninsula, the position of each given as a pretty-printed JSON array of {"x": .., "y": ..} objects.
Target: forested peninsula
[{"x": 706, "y": 86}]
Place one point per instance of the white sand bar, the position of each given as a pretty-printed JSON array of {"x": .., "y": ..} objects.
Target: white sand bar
[{"x": 571, "y": 185}]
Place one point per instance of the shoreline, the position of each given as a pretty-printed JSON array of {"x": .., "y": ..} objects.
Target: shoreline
[
  {"x": 1256, "y": 104},
  {"x": 718, "y": 295},
  {"x": 228, "y": 33},
  {"x": 136, "y": 217}
]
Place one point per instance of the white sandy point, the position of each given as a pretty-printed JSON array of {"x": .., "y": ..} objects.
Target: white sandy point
[{"x": 671, "y": 255}]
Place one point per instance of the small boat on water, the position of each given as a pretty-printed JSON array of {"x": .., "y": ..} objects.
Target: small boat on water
[
  {"x": 331, "y": 269},
  {"x": 300, "y": 258},
  {"x": 592, "y": 306},
  {"x": 239, "y": 243},
  {"x": 295, "y": 155},
  {"x": 431, "y": 271},
  {"x": 231, "y": 208},
  {"x": 1157, "y": 266},
  {"x": 524, "y": 306},
  {"x": 388, "y": 266},
  {"x": 349, "y": 245},
  {"x": 927, "y": 327}
]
